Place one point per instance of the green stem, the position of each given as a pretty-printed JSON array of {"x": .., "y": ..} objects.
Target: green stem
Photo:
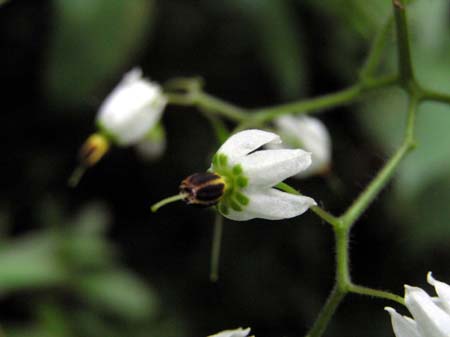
[
  {"x": 166, "y": 201},
  {"x": 374, "y": 57},
  {"x": 326, "y": 313},
  {"x": 342, "y": 258},
  {"x": 218, "y": 126},
  {"x": 216, "y": 247},
  {"x": 382, "y": 178},
  {"x": 404, "y": 51},
  {"x": 209, "y": 103},
  {"x": 320, "y": 212},
  {"x": 353, "y": 288},
  {"x": 430, "y": 95},
  {"x": 322, "y": 102},
  {"x": 340, "y": 288},
  {"x": 214, "y": 104}
]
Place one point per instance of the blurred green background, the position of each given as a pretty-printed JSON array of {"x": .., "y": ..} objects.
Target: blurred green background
[{"x": 93, "y": 261}]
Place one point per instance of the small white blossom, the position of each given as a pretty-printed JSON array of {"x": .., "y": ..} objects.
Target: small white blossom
[
  {"x": 250, "y": 175},
  {"x": 153, "y": 144},
  {"x": 132, "y": 109},
  {"x": 233, "y": 333},
  {"x": 310, "y": 134},
  {"x": 431, "y": 314}
]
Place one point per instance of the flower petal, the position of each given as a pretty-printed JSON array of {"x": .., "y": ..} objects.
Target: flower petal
[
  {"x": 431, "y": 320},
  {"x": 271, "y": 204},
  {"x": 309, "y": 134},
  {"x": 132, "y": 108},
  {"x": 269, "y": 167},
  {"x": 443, "y": 291},
  {"x": 244, "y": 142},
  {"x": 403, "y": 326},
  {"x": 233, "y": 333}
]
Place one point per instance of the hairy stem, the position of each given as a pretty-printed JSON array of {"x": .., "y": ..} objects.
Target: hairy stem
[
  {"x": 326, "y": 313},
  {"x": 353, "y": 288}
]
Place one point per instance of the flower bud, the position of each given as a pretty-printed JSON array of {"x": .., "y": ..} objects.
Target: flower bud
[
  {"x": 202, "y": 189},
  {"x": 93, "y": 149}
]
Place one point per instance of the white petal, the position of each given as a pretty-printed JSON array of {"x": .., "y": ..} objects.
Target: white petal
[
  {"x": 443, "y": 291},
  {"x": 233, "y": 333},
  {"x": 269, "y": 167},
  {"x": 244, "y": 142},
  {"x": 431, "y": 320},
  {"x": 271, "y": 204},
  {"x": 132, "y": 108},
  {"x": 149, "y": 149},
  {"x": 403, "y": 326},
  {"x": 309, "y": 134}
]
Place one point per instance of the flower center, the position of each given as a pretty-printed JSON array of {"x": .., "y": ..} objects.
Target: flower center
[{"x": 235, "y": 182}]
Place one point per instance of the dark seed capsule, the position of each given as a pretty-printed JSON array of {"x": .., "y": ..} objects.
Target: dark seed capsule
[{"x": 202, "y": 189}]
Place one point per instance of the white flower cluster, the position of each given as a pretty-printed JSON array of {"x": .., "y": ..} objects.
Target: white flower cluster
[{"x": 431, "y": 314}]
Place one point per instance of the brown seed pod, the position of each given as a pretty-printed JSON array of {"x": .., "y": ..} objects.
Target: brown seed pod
[{"x": 202, "y": 189}]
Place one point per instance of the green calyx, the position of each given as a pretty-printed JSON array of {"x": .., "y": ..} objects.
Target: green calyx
[
  {"x": 235, "y": 181},
  {"x": 106, "y": 133}
]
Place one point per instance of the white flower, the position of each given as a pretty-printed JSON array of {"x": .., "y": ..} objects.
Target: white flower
[
  {"x": 153, "y": 144},
  {"x": 431, "y": 314},
  {"x": 132, "y": 109},
  {"x": 250, "y": 176},
  {"x": 309, "y": 134},
  {"x": 233, "y": 333}
]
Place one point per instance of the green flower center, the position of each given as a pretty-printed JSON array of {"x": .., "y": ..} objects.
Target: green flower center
[{"x": 235, "y": 181}]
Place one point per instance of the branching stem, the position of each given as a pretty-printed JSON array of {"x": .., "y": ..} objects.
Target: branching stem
[{"x": 192, "y": 95}]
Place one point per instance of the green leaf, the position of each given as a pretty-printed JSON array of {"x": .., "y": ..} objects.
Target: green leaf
[
  {"x": 118, "y": 292},
  {"x": 91, "y": 41},
  {"x": 31, "y": 262}
]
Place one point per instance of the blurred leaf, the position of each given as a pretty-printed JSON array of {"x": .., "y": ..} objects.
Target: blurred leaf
[
  {"x": 280, "y": 43},
  {"x": 30, "y": 262},
  {"x": 119, "y": 292},
  {"x": 85, "y": 244},
  {"x": 92, "y": 219},
  {"x": 363, "y": 17},
  {"x": 53, "y": 320},
  {"x": 91, "y": 41},
  {"x": 429, "y": 215}
]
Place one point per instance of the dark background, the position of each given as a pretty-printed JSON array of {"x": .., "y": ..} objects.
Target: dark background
[{"x": 94, "y": 261}]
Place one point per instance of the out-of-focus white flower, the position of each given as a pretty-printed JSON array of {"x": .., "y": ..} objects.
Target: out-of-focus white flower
[
  {"x": 153, "y": 144},
  {"x": 250, "y": 175},
  {"x": 431, "y": 314},
  {"x": 233, "y": 333},
  {"x": 132, "y": 109},
  {"x": 309, "y": 134}
]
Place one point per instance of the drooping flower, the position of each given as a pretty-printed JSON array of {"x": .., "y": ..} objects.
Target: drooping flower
[
  {"x": 233, "y": 333},
  {"x": 132, "y": 109},
  {"x": 241, "y": 180},
  {"x": 130, "y": 115},
  {"x": 431, "y": 314},
  {"x": 310, "y": 134}
]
